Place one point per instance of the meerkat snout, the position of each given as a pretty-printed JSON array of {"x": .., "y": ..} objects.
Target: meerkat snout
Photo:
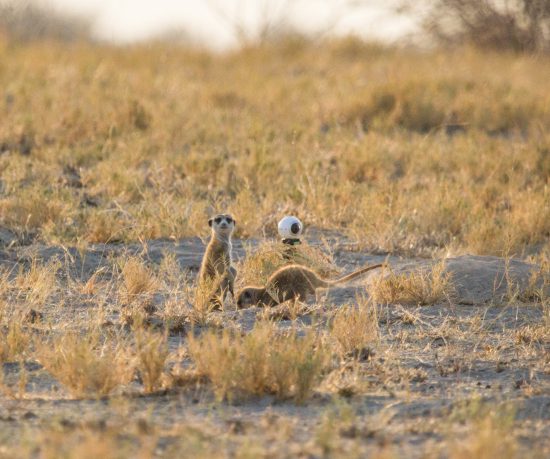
[
  {"x": 245, "y": 299},
  {"x": 222, "y": 223}
]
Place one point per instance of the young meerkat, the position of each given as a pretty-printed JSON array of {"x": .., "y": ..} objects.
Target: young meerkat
[
  {"x": 216, "y": 268},
  {"x": 289, "y": 283}
]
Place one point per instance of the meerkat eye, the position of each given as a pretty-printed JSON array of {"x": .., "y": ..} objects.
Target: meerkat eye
[
  {"x": 229, "y": 220},
  {"x": 218, "y": 220}
]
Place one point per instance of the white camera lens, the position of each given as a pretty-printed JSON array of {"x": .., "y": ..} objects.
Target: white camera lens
[{"x": 290, "y": 227}]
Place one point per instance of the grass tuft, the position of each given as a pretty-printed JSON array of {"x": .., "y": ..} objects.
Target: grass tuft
[
  {"x": 152, "y": 352},
  {"x": 265, "y": 361},
  {"x": 138, "y": 280},
  {"x": 355, "y": 327},
  {"x": 421, "y": 287},
  {"x": 85, "y": 365},
  {"x": 14, "y": 340},
  {"x": 490, "y": 433}
]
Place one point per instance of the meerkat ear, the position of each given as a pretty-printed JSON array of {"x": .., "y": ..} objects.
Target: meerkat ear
[
  {"x": 210, "y": 222},
  {"x": 234, "y": 222}
]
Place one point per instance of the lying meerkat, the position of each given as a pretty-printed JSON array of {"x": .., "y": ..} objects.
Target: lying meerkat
[
  {"x": 288, "y": 283},
  {"x": 216, "y": 269}
]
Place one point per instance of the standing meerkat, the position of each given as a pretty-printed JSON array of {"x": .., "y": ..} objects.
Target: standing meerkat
[
  {"x": 217, "y": 271},
  {"x": 289, "y": 283}
]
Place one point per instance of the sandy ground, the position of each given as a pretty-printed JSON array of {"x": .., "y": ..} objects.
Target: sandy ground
[{"x": 430, "y": 359}]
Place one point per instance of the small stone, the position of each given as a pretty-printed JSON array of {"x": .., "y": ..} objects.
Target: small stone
[{"x": 34, "y": 316}]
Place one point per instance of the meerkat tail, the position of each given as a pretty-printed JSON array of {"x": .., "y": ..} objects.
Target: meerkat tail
[{"x": 355, "y": 274}]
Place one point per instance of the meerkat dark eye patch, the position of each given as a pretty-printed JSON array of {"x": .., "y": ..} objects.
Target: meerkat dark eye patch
[
  {"x": 218, "y": 220},
  {"x": 229, "y": 220}
]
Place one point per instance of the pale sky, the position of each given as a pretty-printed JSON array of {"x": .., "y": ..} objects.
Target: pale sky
[{"x": 210, "y": 21}]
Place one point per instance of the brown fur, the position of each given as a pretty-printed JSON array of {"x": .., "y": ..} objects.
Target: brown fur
[
  {"x": 216, "y": 270},
  {"x": 288, "y": 283}
]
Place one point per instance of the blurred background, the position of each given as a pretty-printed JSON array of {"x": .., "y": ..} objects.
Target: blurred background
[
  {"x": 134, "y": 119},
  {"x": 519, "y": 25}
]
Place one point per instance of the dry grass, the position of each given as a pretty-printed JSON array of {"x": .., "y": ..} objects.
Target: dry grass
[
  {"x": 152, "y": 352},
  {"x": 31, "y": 210},
  {"x": 14, "y": 341},
  {"x": 137, "y": 278},
  {"x": 265, "y": 361},
  {"x": 89, "y": 440},
  {"x": 85, "y": 365},
  {"x": 289, "y": 310},
  {"x": 85, "y": 443},
  {"x": 107, "y": 226},
  {"x": 422, "y": 286},
  {"x": 307, "y": 369},
  {"x": 405, "y": 151},
  {"x": 489, "y": 433},
  {"x": 398, "y": 151},
  {"x": 38, "y": 282},
  {"x": 538, "y": 288},
  {"x": 176, "y": 315},
  {"x": 335, "y": 420},
  {"x": 355, "y": 327},
  {"x": 122, "y": 437},
  {"x": 203, "y": 301}
]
